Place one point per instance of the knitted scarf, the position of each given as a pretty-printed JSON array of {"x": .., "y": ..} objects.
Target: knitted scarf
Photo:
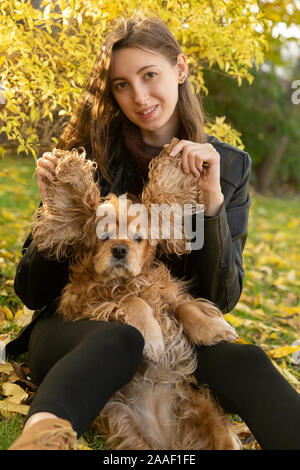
[{"x": 140, "y": 152}]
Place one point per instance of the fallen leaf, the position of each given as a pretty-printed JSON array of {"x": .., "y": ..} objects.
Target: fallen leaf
[
  {"x": 233, "y": 320},
  {"x": 23, "y": 316},
  {"x": 7, "y": 313},
  {"x": 2, "y": 318},
  {"x": 8, "y": 406},
  {"x": 240, "y": 306},
  {"x": 6, "y": 368},
  {"x": 14, "y": 393},
  {"x": 289, "y": 377},
  {"x": 282, "y": 351}
]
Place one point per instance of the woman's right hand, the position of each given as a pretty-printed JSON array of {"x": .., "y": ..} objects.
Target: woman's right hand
[{"x": 45, "y": 171}]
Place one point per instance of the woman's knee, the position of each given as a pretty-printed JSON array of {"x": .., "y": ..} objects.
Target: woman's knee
[
  {"x": 231, "y": 370},
  {"x": 249, "y": 358},
  {"x": 230, "y": 360},
  {"x": 121, "y": 341}
]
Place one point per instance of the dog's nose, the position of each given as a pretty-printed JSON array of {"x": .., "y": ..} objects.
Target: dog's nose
[{"x": 119, "y": 250}]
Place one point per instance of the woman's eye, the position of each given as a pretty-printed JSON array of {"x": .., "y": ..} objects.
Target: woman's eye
[
  {"x": 118, "y": 85},
  {"x": 124, "y": 83},
  {"x": 149, "y": 73}
]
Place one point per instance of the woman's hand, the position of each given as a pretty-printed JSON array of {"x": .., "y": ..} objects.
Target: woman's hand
[
  {"x": 204, "y": 162},
  {"x": 45, "y": 171}
]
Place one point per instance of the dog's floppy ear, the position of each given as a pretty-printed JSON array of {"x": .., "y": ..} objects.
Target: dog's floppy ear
[
  {"x": 169, "y": 186},
  {"x": 65, "y": 224}
]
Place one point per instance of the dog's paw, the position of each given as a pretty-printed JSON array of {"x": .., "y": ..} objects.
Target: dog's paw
[
  {"x": 216, "y": 331},
  {"x": 225, "y": 332},
  {"x": 154, "y": 344}
]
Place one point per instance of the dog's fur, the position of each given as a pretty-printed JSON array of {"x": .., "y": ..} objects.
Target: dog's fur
[{"x": 161, "y": 408}]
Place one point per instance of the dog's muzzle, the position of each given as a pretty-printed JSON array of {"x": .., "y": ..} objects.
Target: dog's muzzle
[{"x": 119, "y": 251}]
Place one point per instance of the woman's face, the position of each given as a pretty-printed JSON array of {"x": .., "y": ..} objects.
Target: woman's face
[{"x": 143, "y": 79}]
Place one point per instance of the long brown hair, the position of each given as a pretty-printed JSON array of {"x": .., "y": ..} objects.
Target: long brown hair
[{"x": 97, "y": 117}]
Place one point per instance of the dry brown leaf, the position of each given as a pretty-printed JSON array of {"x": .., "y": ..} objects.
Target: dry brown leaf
[
  {"x": 14, "y": 393},
  {"x": 6, "y": 368},
  {"x": 10, "y": 407}
]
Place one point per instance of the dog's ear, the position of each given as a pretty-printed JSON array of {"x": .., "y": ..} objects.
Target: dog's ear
[
  {"x": 169, "y": 186},
  {"x": 65, "y": 224}
]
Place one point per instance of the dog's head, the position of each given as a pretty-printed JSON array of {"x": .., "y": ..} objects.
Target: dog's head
[
  {"x": 124, "y": 249},
  {"x": 71, "y": 224}
]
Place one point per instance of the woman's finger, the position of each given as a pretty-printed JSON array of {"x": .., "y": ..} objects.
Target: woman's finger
[
  {"x": 46, "y": 164},
  {"x": 44, "y": 173},
  {"x": 43, "y": 185},
  {"x": 185, "y": 160},
  {"x": 52, "y": 157},
  {"x": 199, "y": 163},
  {"x": 192, "y": 164}
]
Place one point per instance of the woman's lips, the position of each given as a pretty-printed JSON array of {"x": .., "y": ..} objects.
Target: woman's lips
[{"x": 147, "y": 116}]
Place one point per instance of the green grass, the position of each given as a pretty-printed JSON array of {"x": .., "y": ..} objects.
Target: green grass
[
  {"x": 10, "y": 429},
  {"x": 267, "y": 314}
]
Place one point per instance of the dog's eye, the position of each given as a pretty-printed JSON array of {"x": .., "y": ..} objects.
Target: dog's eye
[
  {"x": 105, "y": 236},
  {"x": 137, "y": 237}
]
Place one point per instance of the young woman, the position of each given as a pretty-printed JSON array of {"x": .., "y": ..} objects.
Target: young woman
[{"x": 136, "y": 99}]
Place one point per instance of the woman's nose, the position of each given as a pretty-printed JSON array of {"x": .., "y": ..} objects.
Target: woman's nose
[{"x": 140, "y": 94}]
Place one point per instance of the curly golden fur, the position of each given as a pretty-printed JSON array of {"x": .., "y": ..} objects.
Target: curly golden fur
[{"x": 120, "y": 280}]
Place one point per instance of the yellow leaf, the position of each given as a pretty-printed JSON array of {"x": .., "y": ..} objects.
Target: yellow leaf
[
  {"x": 290, "y": 377},
  {"x": 2, "y": 319},
  {"x": 243, "y": 308},
  {"x": 254, "y": 275},
  {"x": 288, "y": 310},
  {"x": 19, "y": 313},
  {"x": 273, "y": 335},
  {"x": 241, "y": 340},
  {"x": 233, "y": 320},
  {"x": 281, "y": 280},
  {"x": 83, "y": 447},
  {"x": 282, "y": 351},
  {"x": 7, "y": 312}
]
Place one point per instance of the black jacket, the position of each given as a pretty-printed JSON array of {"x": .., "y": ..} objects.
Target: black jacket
[{"x": 217, "y": 268}]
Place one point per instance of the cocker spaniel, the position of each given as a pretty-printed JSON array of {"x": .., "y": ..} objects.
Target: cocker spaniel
[{"x": 114, "y": 275}]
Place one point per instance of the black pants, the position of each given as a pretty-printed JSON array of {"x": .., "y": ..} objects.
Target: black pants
[{"x": 79, "y": 366}]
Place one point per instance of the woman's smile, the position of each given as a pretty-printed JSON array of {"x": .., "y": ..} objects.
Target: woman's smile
[{"x": 149, "y": 113}]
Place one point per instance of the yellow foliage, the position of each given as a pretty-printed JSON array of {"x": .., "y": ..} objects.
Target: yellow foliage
[
  {"x": 47, "y": 55},
  {"x": 233, "y": 320}
]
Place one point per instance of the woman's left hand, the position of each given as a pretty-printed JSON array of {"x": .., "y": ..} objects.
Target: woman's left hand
[{"x": 194, "y": 155}]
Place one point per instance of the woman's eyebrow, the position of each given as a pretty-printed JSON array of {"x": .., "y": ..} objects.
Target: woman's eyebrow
[{"x": 139, "y": 71}]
